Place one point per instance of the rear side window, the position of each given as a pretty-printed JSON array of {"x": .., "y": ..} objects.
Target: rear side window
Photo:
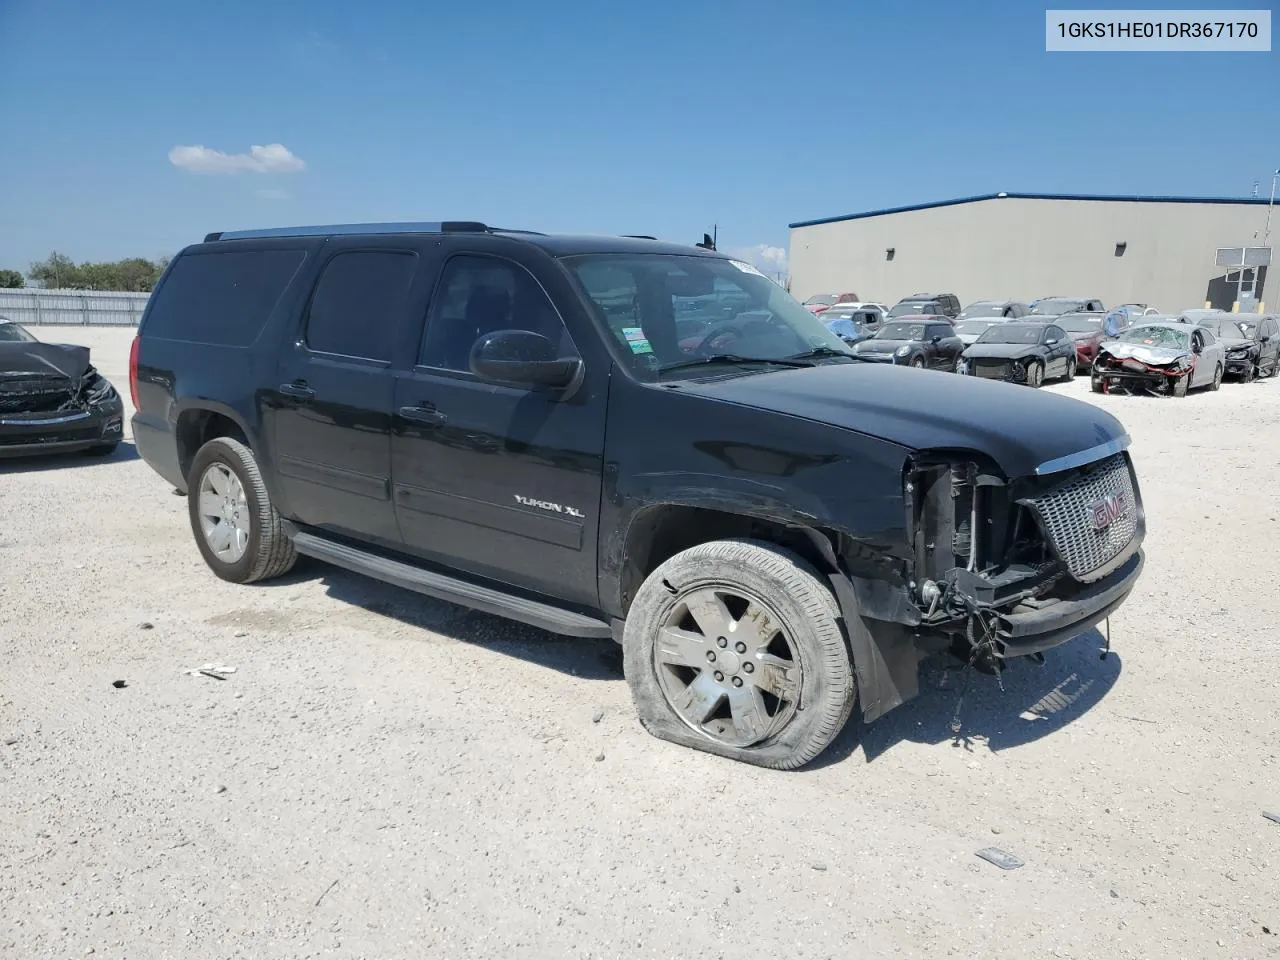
[
  {"x": 222, "y": 298},
  {"x": 358, "y": 302}
]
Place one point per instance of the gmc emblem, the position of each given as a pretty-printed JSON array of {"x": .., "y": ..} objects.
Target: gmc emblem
[{"x": 1108, "y": 510}]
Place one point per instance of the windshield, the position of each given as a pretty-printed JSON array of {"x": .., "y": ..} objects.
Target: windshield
[
  {"x": 1012, "y": 333},
  {"x": 1227, "y": 330},
  {"x": 12, "y": 333},
  {"x": 901, "y": 331},
  {"x": 972, "y": 326},
  {"x": 1080, "y": 324},
  {"x": 1157, "y": 337},
  {"x": 982, "y": 310},
  {"x": 1056, "y": 306},
  {"x": 821, "y": 299},
  {"x": 915, "y": 306},
  {"x": 639, "y": 297}
]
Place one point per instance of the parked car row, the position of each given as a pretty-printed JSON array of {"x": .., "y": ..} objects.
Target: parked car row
[{"x": 1130, "y": 347}]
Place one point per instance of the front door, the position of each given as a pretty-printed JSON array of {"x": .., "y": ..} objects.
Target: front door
[
  {"x": 501, "y": 481},
  {"x": 333, "y": 404}
]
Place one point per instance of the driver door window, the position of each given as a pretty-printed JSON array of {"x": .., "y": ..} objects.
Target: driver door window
[{"x": 479, "y": 295}]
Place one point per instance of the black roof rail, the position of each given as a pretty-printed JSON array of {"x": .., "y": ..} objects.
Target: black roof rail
[{"x": 356, "y": 229}]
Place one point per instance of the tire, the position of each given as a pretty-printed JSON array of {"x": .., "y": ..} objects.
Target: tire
[
  {"x": 1095, "y": 384},
  {"x": 918, "y": 363},
  {"x": 1178, "y": 386},
  {"x": 777, "y": 732},
  {"x": 1275, "y": 366},
  {"x": 1071, "y": 370},
  {"x": 1035, "y": 374},
  {"x": 102, "y": 449},
  {"x": 1217, "y": 378},
  {"x": 267, "y": 551}
]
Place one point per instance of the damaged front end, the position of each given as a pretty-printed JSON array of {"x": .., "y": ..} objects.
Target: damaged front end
[
  {"x": 1011, "y": 567},
  {"x": 1129, "y": 374},
  {"x": 48, "y": 411}
]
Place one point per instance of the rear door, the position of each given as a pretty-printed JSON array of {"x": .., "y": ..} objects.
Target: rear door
[
  {"x": 501, "y": 481},
  {"x": 333, "y": 402}
]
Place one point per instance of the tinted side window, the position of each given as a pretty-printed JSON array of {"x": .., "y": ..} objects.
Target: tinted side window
[
  {"x": 940, "y": 330},
  {"x": 1055, "y": 333},
  {"x": 358, "y": 301},
  {"x": 478, "y": 295},
  {"x": 222, "y": 298}
]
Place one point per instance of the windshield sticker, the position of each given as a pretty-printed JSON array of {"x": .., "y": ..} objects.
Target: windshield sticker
[
  {"x": 746, "y": 268},
  {"x": 636, "y": 340}
]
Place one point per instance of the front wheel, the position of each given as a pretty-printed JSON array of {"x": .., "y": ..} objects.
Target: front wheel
[
  {"x": 918, "y": 363},
  {"x": 1035, "y": 374},
  {"x": 1096, "y": 385},
  {"x": 1217, "y": 377},
  {"x": 734, "y": 647},
  {"x": 1178, "y": 386},
  {"x": 238, "y": 531}
]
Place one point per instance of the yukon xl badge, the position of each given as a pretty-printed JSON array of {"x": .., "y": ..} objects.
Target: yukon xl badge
[
  {"x": 1108, "y": 510},
  {"x": 548, "y": 505}
]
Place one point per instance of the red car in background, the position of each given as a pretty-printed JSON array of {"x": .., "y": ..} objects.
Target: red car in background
[
  {"x": 1085, "y": 329},
  {"x": 821, "y": 302}
]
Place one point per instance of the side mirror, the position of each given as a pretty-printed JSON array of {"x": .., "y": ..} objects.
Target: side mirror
[
  {"x": 935, "y": 339},
  {"x": 1051, "y": 341},
  {"x": 524, "y": 357},
  {"x": 1197, "y": 348}
]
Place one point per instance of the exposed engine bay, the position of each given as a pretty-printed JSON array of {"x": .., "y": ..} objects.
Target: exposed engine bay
[
  {"x": 52, "y": 399},
  {"x": 998, "y": 562}
]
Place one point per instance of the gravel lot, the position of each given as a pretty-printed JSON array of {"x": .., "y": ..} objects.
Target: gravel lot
[{"x": 386, "y": 776}]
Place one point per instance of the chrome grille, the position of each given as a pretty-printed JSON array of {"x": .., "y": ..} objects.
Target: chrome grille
[
  {"x": 1067, "y": 513},
  {"x": 33, "y": 394}
]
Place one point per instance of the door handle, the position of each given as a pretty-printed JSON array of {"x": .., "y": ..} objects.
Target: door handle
[
  {"x": 423, "y": 414},
  {"x": 298, "y": 390}
]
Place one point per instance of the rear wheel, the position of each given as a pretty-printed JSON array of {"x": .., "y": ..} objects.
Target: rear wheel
[
  {"x": 734, "y": 647},
  {"x": 1071, "y": 369},
  {"x": 1217, "y": 377},
  {"x": 238, "y": 531}
]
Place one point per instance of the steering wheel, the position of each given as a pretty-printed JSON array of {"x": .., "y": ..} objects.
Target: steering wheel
[{"x": 729, "y": 330}]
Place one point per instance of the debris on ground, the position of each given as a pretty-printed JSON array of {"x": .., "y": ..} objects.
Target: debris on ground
[
  {"x": 1273, "y": 817},
  {"x": 599, "y": 757},
  {"x": 597, "y": 716},
  {"x": 218, "y": 671},
  {"x": 1002, "y": 859},
  {"x": 119, "y": 684},
  {"x": 146, "y": 625}
]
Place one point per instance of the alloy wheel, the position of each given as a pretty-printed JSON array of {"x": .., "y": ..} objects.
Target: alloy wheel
[
  {"x": 727, "y": 667},
  {"x": 224, "y": 513}
]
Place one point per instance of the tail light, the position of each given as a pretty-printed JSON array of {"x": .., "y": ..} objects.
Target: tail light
[{"x": 133, "y": 371}]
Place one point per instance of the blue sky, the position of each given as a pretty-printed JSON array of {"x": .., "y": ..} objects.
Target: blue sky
[{"x": 597, "y": 117}]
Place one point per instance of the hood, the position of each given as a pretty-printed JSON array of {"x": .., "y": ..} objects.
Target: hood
[
  {"x": 1157, "y": 356},
  {"x": 968, "y": 338},
  {"x": 877, "y": 345},
  {"x": 1001, "y": 351},
  {"x": 927, "y": 409},
  {"x": 43, "y": 359}
]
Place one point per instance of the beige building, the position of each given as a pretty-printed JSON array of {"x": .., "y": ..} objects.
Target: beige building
[{"x": 1156, "y": 250}]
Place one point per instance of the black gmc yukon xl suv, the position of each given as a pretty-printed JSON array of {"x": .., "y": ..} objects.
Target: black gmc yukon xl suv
[{"x": 628, "y": 438}]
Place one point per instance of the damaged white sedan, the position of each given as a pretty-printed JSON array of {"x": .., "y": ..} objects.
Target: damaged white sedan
[{"x": 1166, "y": 358}]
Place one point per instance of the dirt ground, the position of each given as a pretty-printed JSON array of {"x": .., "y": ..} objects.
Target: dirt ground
[{"x": 385, "y": 776}]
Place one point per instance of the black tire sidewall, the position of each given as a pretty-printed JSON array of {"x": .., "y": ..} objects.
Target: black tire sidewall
[
  {"x": 224, "y": 451},
  {"x": 795, "y": 744}
]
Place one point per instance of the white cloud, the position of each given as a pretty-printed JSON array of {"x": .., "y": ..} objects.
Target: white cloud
[
  {"x": 273, "y": 158},
  {"x": 273, "y": 194},
  {"x": 767, "y": 259}
]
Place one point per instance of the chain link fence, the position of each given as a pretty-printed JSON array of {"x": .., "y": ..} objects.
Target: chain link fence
[{"x": 72, "y": 307}]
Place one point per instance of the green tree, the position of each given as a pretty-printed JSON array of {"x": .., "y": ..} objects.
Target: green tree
[
  {"x": 11, "y": 280},
  {"x": 132, "y": 274}
]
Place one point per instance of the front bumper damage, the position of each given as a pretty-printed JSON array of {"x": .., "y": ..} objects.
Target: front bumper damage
[
  {"x": 46, "y": 415},
  {"x": 1130, "y": 375},
  {"x": 989, "y": 368},
  {"x": 1241, "y": 364},
  {"x": 1000, "y": 568}
]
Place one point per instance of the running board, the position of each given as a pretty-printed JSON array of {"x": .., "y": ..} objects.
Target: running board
[{"x": 442, "y": 587}]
